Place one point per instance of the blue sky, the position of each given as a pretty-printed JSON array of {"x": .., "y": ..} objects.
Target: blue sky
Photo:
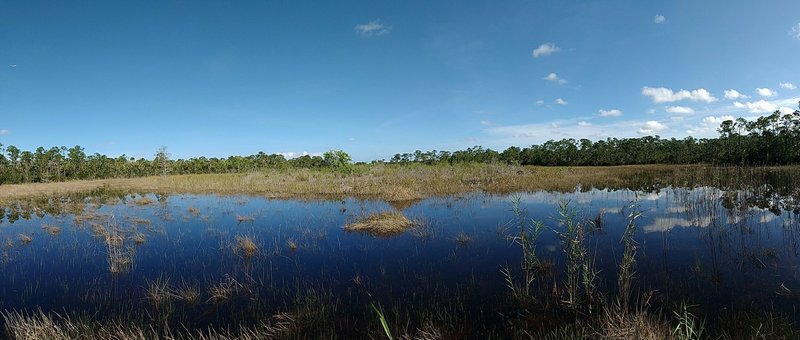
[{"x": 376, "y": 78}]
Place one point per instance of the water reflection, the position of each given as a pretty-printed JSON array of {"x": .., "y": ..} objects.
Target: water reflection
[{"x": 238, "y": 258}]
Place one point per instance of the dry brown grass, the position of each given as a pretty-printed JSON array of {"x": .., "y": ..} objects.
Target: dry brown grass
[
  {"x": 144, "y": 201},
  {"x": 387, "y": 223},
  {"x": 619, "y": 325},
  {"x": 245, "y": 247}
]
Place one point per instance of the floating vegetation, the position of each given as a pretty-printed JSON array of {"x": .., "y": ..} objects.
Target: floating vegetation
[
  {"x": 144, "y": 201},
  {"x": 194, "y": 211},
  {"x": 24, "y": 239},
  {"x": 381, "y": 224},
  {"x": 51, "y": 229},
  {"x": 244, "y": 218}
]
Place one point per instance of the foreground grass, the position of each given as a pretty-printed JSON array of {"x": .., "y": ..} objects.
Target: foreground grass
[{"x": 396, "y": 183}]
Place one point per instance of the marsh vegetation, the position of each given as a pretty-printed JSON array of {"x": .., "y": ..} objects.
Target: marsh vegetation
[{"x": 687, "y": 253}]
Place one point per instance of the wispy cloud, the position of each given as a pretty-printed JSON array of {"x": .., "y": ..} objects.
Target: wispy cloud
[
  {"x": 561, "y": 101},
  {"x": 680, "y": 109},
  {"x": 610, "y": 113},
  {"x": 373, "y": 28},
  {"x": 554, "y": 78},
  {"x": 584, "y": 123},
  {"x": 659, "y": 19},
  {"x": 545, "y": 50},
  {"x": 4, "y": 132},
  {"x": 665, "y": 95},
  {"x": 795, "y": 32},
  {"x": 788, "y": 86},
  {"x": 485, "y": 122}
]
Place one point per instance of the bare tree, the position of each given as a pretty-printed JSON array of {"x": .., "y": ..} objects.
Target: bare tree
[{"x": 162, "y": 159}]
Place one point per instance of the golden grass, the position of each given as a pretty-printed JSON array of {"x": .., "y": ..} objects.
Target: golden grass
[
  {"x": 396, "y": 183},
  {"x": 245, "y": 247},
  {"x": 381, "y": 224},
  {"x": 144, "y": 201},
  {"x": 187, "y": 293}
]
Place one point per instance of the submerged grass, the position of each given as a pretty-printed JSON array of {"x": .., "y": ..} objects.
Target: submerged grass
[{"x": 386, "y": 223}]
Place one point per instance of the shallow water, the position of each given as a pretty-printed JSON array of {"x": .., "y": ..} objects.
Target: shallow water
[{"x": 719, "y": 250}]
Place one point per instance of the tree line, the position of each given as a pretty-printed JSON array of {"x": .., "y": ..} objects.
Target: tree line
[{"x": 769, "y": 140}]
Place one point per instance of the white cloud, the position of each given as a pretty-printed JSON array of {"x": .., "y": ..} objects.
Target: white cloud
[
  {"x": 486, "y": 122},
  {"x": 788, "y": 86},
  {"x": 758, "y": 107},
  {"x": 733, "y": 94},
  {"x": 610, "y": 113},
  {"x": 373, "y": 28},
  {"x": 739, "y": 105},
  {"x": 659, "y": 19},
  {"x": 717, "y": 120},
  {"x": 665, "y": 95},
  {"x": 651, "y": 127},
  {"x": 584, "y": 123},
  {"x": 680, "y": 109},
  {"x": 290, "y": 154},
  {"x": 554, "y": 78},
  {"x": 560, "y": 101},
  {"x": 651, "y": 111},
  {"x": 545, "y": 50},
  {"x": 796, "y": 31},
  {"x": 351, "y": 139},
  {"x": 765, "y": 92},
  {"x": 540, "y": 102},
  {"x": 4, "y": 132},
  {"x": 785, "y": 110}
]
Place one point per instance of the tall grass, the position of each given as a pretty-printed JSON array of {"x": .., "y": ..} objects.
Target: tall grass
[
  {"x": 581, "y": 276},
  {"x": 626, "y": 266}
]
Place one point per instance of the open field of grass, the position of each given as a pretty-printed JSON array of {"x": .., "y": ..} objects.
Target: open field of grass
[{"x": 396, "y": 183}]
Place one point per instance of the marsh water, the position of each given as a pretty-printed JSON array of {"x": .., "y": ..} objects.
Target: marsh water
[{"x": 719, "y": 250}]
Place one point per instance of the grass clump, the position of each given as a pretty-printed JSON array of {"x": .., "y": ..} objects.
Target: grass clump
[
  {"x": 387, "y": 223},
  {"x": 188, "y": 293},
  {"x": 244, "y": 218},
  {"x": 144, "y": 201},
  {"x": 51, "y": 229},
  {"x": 463, "y": 239},
  {"x": 24, "y": 239},
  {"x": 245, "y": 247}
]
